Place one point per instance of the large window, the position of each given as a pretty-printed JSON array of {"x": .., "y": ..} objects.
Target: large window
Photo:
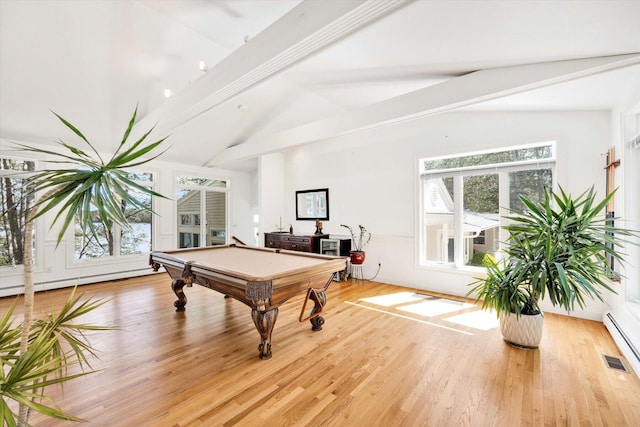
[
  {"x": 13, "y": 196},
  {"x": 201, "y": 198},
  {"x": 113, "y": 240},
  {"x": 463, "y": 199}
]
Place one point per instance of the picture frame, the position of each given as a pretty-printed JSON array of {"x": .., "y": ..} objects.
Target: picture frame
[{"x": 312, "y": 204}]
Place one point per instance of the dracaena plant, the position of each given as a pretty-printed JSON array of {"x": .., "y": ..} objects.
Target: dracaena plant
[
  {"x": 90, "y": 181},
  {"x": 82, "y": 183},
  {"x": 55, "y": 343},
  {"x": 561, "y": 249}
]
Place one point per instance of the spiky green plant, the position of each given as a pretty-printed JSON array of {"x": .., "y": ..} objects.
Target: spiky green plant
[
  {"x": 91, "y": 182},
  {"x": 87, "y": 182},
  {"x": 500, "y": 290},
  {"x": 559, "y": 248},
  {"x": 25, "y": 375}
]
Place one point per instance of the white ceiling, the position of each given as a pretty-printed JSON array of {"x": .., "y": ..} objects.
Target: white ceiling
[{"x": 279, "y": 68}]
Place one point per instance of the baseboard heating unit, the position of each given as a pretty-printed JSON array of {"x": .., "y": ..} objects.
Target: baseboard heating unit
[{"x": 625, "y": 343}]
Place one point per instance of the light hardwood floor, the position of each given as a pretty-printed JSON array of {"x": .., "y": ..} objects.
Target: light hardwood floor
[{"x": 396, "y": 360}]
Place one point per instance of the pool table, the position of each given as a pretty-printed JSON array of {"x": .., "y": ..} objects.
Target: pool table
[{"x": 261, "y": 278}]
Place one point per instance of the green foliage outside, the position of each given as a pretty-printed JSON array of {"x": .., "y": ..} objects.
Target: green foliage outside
[
  {"x": 477, "y": 259},
  {"x": 14, "y": 209},
  {"x": 14, "y": 196}
]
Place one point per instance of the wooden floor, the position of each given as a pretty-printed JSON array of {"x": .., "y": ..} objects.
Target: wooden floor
[{"x": 386, "y": 357}]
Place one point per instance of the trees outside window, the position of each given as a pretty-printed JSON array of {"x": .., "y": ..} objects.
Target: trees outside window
[
  {"x": 110, "y": 240},
  {"x": 461, "y": 199},
  {"x": 113, "y": 240},
  {"x": 14, "y": 196}
]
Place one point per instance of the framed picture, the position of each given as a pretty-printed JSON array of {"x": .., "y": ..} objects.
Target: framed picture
[{"x": 312, "y": 204}]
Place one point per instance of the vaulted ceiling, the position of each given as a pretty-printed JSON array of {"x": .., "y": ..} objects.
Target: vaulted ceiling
[{"x": 279, "y": 73}]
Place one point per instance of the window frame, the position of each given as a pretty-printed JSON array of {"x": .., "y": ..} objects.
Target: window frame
[
  {"x": 199, "y": 219},
  {"x": 38, "y": 228},
  {"x": 458, "y": 174}
]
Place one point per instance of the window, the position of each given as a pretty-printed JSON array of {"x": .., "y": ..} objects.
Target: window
[
  {"x": 137, "y": 239},
  {"x": 14, "y": 209},
  {"x": 113, "y": 240},
  {"x": 463, "y": 199},
  {"x": 480, "y": 240},
  {"x": 201, "y": 198},
  {"x": 189, "y": 240}
]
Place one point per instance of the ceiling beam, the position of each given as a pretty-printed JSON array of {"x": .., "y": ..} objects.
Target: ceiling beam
[
  {"x": 455, "y": 93},
  {"x": 307, "y": 28}
]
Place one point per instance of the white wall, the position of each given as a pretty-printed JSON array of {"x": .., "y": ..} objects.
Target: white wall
[
  {"x": 56, "y": 267},
  {"x": 625, "y": 305},
  {"x": 372, "y": 179},
  {"x": 270, "y": 195}
]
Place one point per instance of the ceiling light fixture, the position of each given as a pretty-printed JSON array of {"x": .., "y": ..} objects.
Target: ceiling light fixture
[
  {"x": 203, "y": 66},
  {"x": 167, "y": 93}
]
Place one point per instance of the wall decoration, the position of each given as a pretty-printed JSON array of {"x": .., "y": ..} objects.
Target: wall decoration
[{"x": 312, "y": 205}]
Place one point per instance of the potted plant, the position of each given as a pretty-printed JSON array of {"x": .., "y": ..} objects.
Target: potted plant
[
  {"x": 357, "y": 254},
  {"x": 559, "y": 249},
  {"x": 36, "y": 353}
]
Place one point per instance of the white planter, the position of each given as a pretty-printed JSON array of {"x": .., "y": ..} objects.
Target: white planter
[{"x": 524, "y": 331}]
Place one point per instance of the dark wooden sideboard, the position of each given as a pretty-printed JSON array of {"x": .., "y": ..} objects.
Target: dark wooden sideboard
[{"x": 294, "y": 242}]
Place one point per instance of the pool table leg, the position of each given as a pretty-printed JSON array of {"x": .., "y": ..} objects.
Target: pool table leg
[
  {"x": 319, "y": 299},
  {"x": 177, "y": 285},
  {"x": 264, "y": 321}
]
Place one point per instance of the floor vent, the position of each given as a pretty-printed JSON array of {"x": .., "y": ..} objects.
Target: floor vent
[{"x": 615, "y": 363}]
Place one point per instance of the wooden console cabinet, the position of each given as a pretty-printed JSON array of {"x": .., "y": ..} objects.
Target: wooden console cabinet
[{"x": 294, "y": 242}]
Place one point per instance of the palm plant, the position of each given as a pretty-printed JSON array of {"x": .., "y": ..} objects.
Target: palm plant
[
  {"x": 500, "y": 291},
  {"x": 560, "y": 248},
  {"x": 25, "y": 375},
  {"x": 88, "y": 184}
]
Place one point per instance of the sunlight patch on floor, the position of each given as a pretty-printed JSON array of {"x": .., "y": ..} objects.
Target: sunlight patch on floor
[
  {"x": 480, "y": 319},
  {"x": 413, "y": 319},
  {"x": 431, "y": 306},
  {"x": 435, "y": 307},
  {"x": 395, "y": 299}
]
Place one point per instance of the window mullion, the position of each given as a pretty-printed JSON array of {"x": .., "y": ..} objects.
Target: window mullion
[
  {"x": 116, "y": 239},
  {"x": 458, "y": 216},
  {"x": 203, "y": 218},
  {"x": 503, "y": 199}
]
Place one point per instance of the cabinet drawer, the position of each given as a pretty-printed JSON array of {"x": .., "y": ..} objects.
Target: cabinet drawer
[
  {"x": 272, "y": 243},
  {"x": 296, "y": 246},
  {"x": 296, "y": 239}
]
